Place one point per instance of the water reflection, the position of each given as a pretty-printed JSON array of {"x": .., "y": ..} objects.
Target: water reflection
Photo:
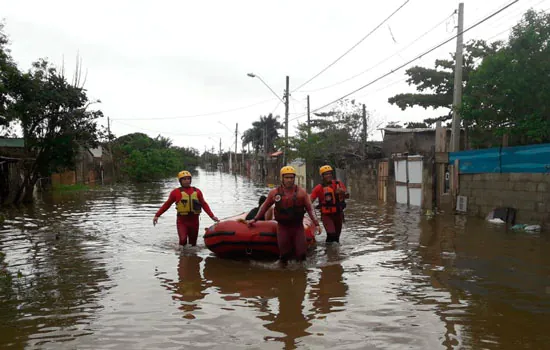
[
  {"x": 398, "y": 280},
  {"x": 56, "y": 294},
  {"x": 190, "y": 287},
  {"x": 329, "y": 293},
  {"x": 290, "y": 320},
  {"x": 259, "y": 287}
]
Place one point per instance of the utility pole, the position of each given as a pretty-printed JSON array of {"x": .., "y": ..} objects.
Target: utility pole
[
  {"x": 212, "y": 159},
  {"x": 309, "y": 165},
  {"x": 308, "y": 119},
  {"x": 230, "y": 158},
  {"x": 364, "y": 150},
  {"x": 111, "y": 149},
  {"x": 265, "y": 151},
  {"x": 236, "y": 133},
  {"x": 285, "y": 154},
  {"x": 457, "y": 91}
]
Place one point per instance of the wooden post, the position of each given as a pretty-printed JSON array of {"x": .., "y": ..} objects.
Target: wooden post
[
  {"x": 505, "y": 140},
  {"x": 407, "y": 178}
]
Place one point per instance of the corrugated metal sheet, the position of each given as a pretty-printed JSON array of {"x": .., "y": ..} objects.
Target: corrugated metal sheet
[
  {"x": 521, "y": 159},
  {"x": 12, "y": 142},
  {"x": 407, "y": 131}
]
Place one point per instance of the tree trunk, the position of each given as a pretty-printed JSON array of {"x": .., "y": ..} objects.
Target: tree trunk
[
  {"x": 29, "y": 192},
  {"x": 26, "y": 189}
]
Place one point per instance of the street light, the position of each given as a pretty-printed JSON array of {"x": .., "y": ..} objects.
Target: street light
[
  {"x": 225, "y": 126},
  {"x": 283, "y": 100},
  {"x": 252, "y": 75}
]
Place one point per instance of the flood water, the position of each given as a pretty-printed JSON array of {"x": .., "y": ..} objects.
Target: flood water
[{"x": 91, "y": 272}]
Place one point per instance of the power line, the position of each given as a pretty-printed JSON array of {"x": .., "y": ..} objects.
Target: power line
[
  {"x": 166, "y": 132},
  {"x": 203, "y": 114},
  {"x": 520, "y": 22},
  {"x": 384, "y": 60},
  {"x": 414, "y": 59},
  {"x": 505, "y": 19},
  {"x": 277, "y": 106},
  {"x": 353, "y": 47}
]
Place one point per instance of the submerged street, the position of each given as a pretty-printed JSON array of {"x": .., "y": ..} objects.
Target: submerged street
[{"x": 96, "y": 274}]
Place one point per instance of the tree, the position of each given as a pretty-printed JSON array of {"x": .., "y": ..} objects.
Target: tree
[
  {"x": 509, "y": 92},
  {"x": 334, "y": 135},
  {"x": 416, "y": 125},
  {"x": 142, "y": 158},
  {"x": 267, "y": 126},
  {"x": 9, "y": 76},
  {"x": 394, "y": 125},
  {"x": 55, "y": 120},
  {"x": 435, "y": 86}
]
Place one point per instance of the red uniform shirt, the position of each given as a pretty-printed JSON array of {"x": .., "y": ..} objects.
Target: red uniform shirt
[
  {"x": 271, "y": 200},
  {"x": 175, "y": 196},
  {"x": 318, "y": 191}
]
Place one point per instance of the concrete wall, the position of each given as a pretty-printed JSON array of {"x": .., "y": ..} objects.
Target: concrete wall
[
  {"x": 362, "y": 180},
  {"x": 413, "y": 143},
  {"x": 529, "y": 194}
]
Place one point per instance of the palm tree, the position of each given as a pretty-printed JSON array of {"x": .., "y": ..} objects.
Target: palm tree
[{"x": 263, "y": 130}]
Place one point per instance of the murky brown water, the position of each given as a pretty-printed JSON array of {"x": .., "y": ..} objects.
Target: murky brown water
[{"x": 96, "y": 274}]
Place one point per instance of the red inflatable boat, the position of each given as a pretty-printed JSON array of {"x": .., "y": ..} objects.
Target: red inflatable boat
[{"x": 233, "y": 238}]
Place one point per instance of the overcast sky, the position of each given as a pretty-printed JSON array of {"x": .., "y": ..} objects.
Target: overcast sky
[{"x": 156, "y": 65}]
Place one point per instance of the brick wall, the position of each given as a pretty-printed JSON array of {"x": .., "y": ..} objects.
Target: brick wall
[
  {"x": 529, "y": 194},
  {"x": 65, "y": 178}
]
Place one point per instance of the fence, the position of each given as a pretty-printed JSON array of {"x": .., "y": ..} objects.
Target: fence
[{"x": 521, "y": 159}]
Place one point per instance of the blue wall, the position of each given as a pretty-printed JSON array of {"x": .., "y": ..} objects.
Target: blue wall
[{"x": 521, "y": 159}]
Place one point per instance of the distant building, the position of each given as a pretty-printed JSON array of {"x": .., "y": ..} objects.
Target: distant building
[{"x": 300, "y": 165}]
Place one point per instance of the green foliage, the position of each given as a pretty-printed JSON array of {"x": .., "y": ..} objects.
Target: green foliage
[
  {"x": 52, "y": 113},
  {"x": 333, "y": 135},
  {"x": 54, "y": 117},
  {"x": 9, "y": 77},
  {"x": 70, "y": 188},
  {"x": 141, "y": 158},
  {"x": 394, "y": 125},
  {"x": 509, "y": 92},
  {"x": 416, "y": 125},
  {"x": 265, "y": 126},
  {"x": 435, "y": 86}
]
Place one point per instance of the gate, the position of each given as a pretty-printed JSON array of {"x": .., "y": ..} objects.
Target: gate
[
  {"x": 408, "y": 180},
  {"x": 383, "y": 180}
]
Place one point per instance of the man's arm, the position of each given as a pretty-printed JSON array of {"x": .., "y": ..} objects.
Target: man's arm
[
  {"x": 309, "y": 209},
  {"x": 171, "y": 199},
  {"x": 268, "y": 203},
  {"x": 315, "y": 193},
  {"x": 342, "y": 189},
  {"x": 205, "y": 206}
]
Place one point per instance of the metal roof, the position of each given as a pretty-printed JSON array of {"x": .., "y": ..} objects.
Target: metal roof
[
  {"x": 405, "y": 130},
  {"x": 12, "y": 142}
]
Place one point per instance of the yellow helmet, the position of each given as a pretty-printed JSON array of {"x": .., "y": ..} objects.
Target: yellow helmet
[
  {"x": 286, "y": 170},
  {"x": 183, "y": 173},
  {"x": 324, "y": 169}
]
